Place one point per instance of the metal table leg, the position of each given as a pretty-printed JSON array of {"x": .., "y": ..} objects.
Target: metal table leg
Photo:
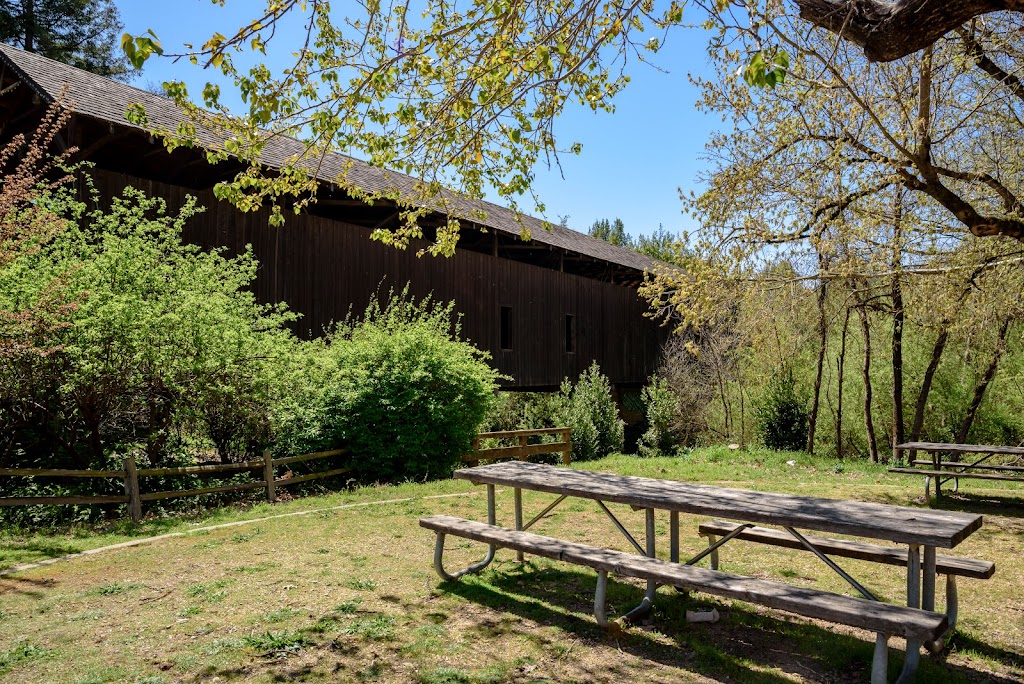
[
  {"x": 673, "y": 536},
  {"x": 476, "y": 567},
  {"x": 517, "y": 494},
  {"x": 652, "y": 586},
  {"x": 913, "y": 657}
]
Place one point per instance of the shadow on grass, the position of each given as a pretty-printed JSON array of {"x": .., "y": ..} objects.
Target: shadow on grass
[
  {"x": 967, "y": 643},
  {"x": 38, "y": 547},
  {"x": 27, "y": 587},
  {"x": 977, "y": 501},
  {"x": 741, "y": 646}
]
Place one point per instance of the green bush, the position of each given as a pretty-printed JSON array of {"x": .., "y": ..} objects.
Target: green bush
[
  {"x": 163, "y": 340},
  {"x": 589, "y": 410},
  {"x": 661, "y": 407},
  {"x": 781, "y": 415},
  {"x": 398, "y": 389}
]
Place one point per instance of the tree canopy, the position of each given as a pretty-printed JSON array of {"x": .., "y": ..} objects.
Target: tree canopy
[
  {"x": 466, "y": 96},
  {"x": 82, "y": 33}
]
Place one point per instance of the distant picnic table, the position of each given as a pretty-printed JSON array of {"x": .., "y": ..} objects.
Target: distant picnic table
[{"x": 944, "y": 465}]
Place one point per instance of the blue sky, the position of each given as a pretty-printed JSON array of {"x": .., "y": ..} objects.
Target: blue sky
[{"x": 633, "y": 162}]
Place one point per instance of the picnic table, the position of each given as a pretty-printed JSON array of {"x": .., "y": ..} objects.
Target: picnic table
[
  {"x": 943, "y": 470},
  {"x": 922, "y": 531}
]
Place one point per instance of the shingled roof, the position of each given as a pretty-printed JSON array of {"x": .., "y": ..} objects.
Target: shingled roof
[{"x": 101, "y": 98}]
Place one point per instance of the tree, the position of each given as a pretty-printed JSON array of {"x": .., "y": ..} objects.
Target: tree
[
  {"x": 82, "y": 33},
  {"x": 612, "y": 231},
  {"x": 466, "y": 98}
]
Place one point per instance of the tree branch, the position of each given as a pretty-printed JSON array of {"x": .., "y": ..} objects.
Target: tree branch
[{"x": 889, "y": 30}]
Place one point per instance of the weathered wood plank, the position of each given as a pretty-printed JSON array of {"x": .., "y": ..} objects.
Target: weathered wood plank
[
  {"x": 202, "y": 469},
  {"x": 887, "y": 555},
  {"x": 961, "y": 448},
  {"x": 901, "y": 621},
  {"x": 154, "y": 496},
  {"x": 952, "y": 475},
  {"x": 980, "y": 466},
  {"x": 515, "y": 451},
  {"x": 57, "y": 472},
  {"x": 282, "y": 482},
  {"x": 61, "y": 500},
  {"x": 900, "y": 524},
  {"x": 309, "y": 457},
  {"x": 507, "y": 434}
]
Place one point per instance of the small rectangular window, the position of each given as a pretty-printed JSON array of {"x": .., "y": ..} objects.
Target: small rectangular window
[
  {"x": 570, "y": 334},
  {"x": 506, "y": 328}
]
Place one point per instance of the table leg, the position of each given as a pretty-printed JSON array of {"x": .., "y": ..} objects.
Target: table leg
[
  {"x": 938, "y": 480},
  {"x": 652, "y": 587},
  {"x": 518, "y": 499},
  {"x": 913, "y": 657},
  {"x": 673, "y": 536},
  {"x": 928, "y": 593},
  {"x": 476, "y": 567}
]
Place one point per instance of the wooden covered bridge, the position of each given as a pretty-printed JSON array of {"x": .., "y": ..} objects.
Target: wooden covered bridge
[{"x": 545, "y": 308}]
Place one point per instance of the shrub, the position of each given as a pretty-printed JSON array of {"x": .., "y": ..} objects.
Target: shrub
[
  {"x": 398, "y": 389},
  {"x": 586, "y": 408},
  {"x": 164, "y": 339},
  {"x": 781, "y": 416},
  {"x": 589, "y": 409},
  {"x": 661, "y": 407}
]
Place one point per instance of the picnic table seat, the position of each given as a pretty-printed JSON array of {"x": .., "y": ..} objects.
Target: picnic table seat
[
  {"x": 888, "y": 555},
  {"x": 886, "y": 620}
]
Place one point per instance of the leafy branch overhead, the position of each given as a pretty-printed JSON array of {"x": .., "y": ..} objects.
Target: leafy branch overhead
[{"x": 461, "y": 97}]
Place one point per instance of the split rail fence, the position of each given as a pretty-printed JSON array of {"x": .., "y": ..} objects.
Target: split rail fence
[
  {"x": 134, "y": 496},
  {"x": 523, "y": 450}
]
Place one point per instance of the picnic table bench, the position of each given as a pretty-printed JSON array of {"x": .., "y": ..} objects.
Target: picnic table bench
[
  {"x": 945, "y": 470},
  {"x": 922, "y": 530}
]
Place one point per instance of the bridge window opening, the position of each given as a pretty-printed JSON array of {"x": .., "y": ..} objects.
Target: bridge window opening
[
  {"x": 570, "y": 334},
  {"x": 506, "y": 328}
]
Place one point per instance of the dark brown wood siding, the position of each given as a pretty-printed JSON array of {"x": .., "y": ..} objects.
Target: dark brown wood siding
[{"x": 323, "y": 267}]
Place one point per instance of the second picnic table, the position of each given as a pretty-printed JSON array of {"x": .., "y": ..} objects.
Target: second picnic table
[{"x": 944, "y": 470}]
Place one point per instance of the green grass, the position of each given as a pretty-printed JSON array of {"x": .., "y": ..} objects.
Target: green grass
[{"x": 352, "y": 596}]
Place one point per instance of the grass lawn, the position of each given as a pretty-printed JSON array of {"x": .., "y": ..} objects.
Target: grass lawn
[{"x": 349, "y": 594}]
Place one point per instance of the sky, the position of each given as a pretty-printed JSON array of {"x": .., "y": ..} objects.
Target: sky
[{"x": 633, "y": 164}]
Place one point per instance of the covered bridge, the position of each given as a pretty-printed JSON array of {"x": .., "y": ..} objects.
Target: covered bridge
[{"x": 545, "y": 308}]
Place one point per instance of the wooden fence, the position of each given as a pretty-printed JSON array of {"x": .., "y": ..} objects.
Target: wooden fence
[
  {"x": 523, "y": 450},
  {"x": 133, "y": 495}
]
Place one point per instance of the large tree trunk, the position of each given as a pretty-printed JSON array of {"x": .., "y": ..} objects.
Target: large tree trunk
[
  {"x": 926, "y": 387},
  {"x": 897, "y": 362},
  {"x": 890, "y": 29},
  {"x": 841, "y": 362},
  {"x": 898, "y": 318},
  {"x": 29, "y": 25},
  {"x": 812, "y": 422},
  {"x": 869, "y": 423},
  {"x": 986, "y": 379}
]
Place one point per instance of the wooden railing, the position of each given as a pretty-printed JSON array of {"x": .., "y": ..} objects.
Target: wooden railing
[
  {"x": 523, "y": 450},
  {"x": 131, "y": 475}
]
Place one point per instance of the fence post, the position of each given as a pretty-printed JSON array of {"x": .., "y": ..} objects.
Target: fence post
[
  {"x": 268, "y": 474},
  {"x": 567, "y": 449},
  {"x": 131, "y": 489},
  {"x": 523, "y": 439}
]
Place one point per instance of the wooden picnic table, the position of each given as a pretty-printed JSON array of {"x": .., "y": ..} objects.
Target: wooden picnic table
[
  {"x": 921, "y": 529},
  {"x": 944, "y": 470}
]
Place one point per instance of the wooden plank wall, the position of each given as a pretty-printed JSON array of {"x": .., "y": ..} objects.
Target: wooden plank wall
[{"x": 322, "y": 267}]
